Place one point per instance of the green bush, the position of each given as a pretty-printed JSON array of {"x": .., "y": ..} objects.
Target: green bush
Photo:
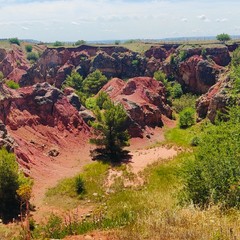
[
  {"x": 223, "y": 37},
  {"x": 80, "y": 42},
  {"x": 195, "y": 141},
  {"x": 13, "y": 85},
  {"x": 79, "y": 184},
  {"x": 58, "y": 44},
  {"x": 186, "y": 100},
  {"x": 186, "y": 118},
  {"x": 94, "y": 82},
  {"x": 14, "y": 41},
  {"x": 32, "y": 56},
  {"x": 75, "y": 80},
  {"x": 214, "y": 176},
  {"x": 28, "y": 48},
  {"x": 176, "y": 90},
  {"x": 161, "y": 76},
  {"x": 182, "y": 55},
  {"x": 135, "y": 62}
]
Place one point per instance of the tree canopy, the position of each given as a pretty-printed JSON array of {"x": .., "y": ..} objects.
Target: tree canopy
[
  {"x": 214, "y": 175},
  {"x": 223, "y": 37},
  {"x": 110, "y": 127}
]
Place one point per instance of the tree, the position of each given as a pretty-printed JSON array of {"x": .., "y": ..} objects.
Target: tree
[
  {"x": 94, "y": 82},
  {"x": 223, "y": 37},
  {"x": 75, "y": 80},
  {"x": 28, "y": 48},
  {"x": 110, "y": 129},
  {"x": 80, "y": 42},
  {"x": 214, "y": 175},
  {"x": 14, "y": 41},
  {"x": 32, "y": 56},
  {"x": 186, "y": 117},
  {"x": 58, "y": 44},
  {"x": 11, "y": 183}
]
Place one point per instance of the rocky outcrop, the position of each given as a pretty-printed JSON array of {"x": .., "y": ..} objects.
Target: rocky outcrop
[
  {"x": 198, "y": 75},
  {"x": 215, "y": 100},
  {"x": 144, "y": 100},
  {"x": 13, "y": 63},
  {"x": 43, "y": 110},
  {"x": 56, "y": 63}
]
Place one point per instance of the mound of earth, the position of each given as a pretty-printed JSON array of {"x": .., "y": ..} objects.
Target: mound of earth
[{"x": 143, "y": 98}]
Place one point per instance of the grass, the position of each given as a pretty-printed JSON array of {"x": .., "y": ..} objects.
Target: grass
[{"x": 65, "y": 196}]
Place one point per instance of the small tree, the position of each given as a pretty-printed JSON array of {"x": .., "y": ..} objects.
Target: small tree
[
  {"x": 58, "y": 44},
  {"x": 75, "y": 80},
  {"x": 80, "y": 42},
  {"x": 14, "y": 41},
  {"x": 32, "y": 56},
  {"x": 110, "y": 129},
  {"x": 223, "y": 37},
  {"x": 94, "y": 82},
  {"x": 28, "y": 48},
  {"x": 161, "y": 76},
  {"x": 186, "y": 118}
]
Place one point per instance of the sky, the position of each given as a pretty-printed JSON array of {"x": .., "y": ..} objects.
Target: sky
[{"x": 72, "y": 20}]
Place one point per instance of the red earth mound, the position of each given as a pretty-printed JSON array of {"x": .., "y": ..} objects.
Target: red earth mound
[{"x": 143, "y": 98}]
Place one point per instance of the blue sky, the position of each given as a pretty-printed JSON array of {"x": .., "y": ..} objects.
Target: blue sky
[{"x": 70, "y": 20}]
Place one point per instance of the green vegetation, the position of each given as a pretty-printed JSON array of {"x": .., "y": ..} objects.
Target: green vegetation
[
  {"x": 32, "y": 56},
  {"x": 223, "y": 37},
  {"x": 185, "y": 101},
  {"x": 161, "y": 76},
  {"x": 14, "y": 187},
  {"x": 1, "y": 76},
  {"x": 213, "y": 177},
  {"x": 11, "y": 84},
  {"x": 93, "y": 83},
  {"x": 28, "y": 48},
  {"x": 135, "y": 62},
  {"x": 110, "y": 128},
  {"x": 14, "y": 41},
  {"x": 186, "y": 117},
  {"x": 80, "y": 42},
  {"x": 75, "y": 80},
  {"x": 182, "y": 55},
  {"x": 58, "y": 44},
  {"x": 117, "y": 42}
]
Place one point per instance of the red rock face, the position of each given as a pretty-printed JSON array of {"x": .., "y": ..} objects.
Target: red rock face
[
  {"x": 198, "y": 75},
  {"x": 43, "y": 111},
  {"x": 144, "y": 100},
  {"x": 13, "y": 64},
  {"x": 215, "y": 100},
  {"x": 56, "y": 63}
]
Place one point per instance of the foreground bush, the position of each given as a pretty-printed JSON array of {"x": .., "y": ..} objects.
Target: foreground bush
[
  {"x": 15, "y": 189},
  {"x": 13, "y": 85},
  {"x": 186, "y": 118},
  {"x": 214, "y": 176}
]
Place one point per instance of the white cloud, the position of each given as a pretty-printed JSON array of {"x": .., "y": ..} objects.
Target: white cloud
[
  {"x": 204, "y": 18},
  {"x": 66, "y": 20}
]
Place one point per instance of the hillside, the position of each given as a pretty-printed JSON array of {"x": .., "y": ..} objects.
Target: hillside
[{"x": 48, "y": 108}]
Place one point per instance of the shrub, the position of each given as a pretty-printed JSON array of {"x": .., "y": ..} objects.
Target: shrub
[
  {"x": 1, "y": 76},
  {"x": 28, "y": 48},
  {"x": 161, "y": 76},
  {"x": 75, "y": 80},
  {"x": 11, "y": 182},
  {"x": 14, "y": 41},
  {"x": 214, "y": 176},
  {"x": 94, "y": 82},
  {"x": 32, "y": 56},
  {"x": 13, "y": 85},
  {"x": 182, "y": 55},
  {"x": 58, "y": 44},
  {"x": 79, "y": 184},
  {"x": 186, "y": 118},
  {"x": 195, "y": 141},
  {"x": 80, "y": 42},
  {"x": 117, "y": 42},
  {"x": 176, "y": 90},
  {"x": 135, "y": 62},
  {"x": 186, "y": 100}
]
